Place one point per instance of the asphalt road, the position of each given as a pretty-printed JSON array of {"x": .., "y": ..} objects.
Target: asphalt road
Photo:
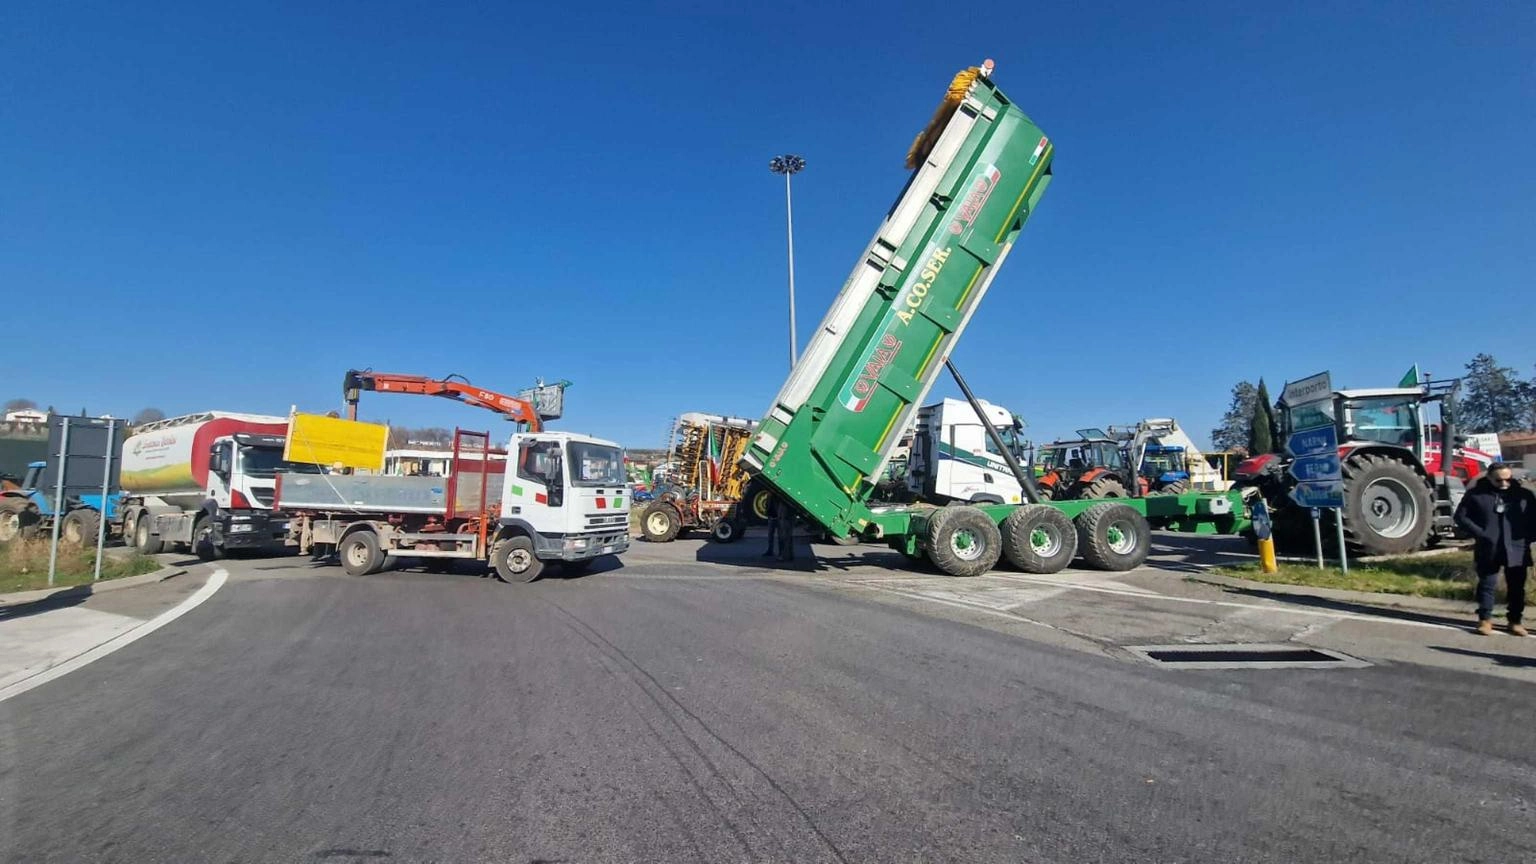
[{"x": 674, "y": 713}]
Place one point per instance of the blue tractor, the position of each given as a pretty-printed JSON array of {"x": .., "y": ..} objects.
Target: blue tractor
[{"x": 29, "y": 511}]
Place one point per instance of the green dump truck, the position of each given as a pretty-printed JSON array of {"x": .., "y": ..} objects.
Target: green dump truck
[{"x": 979, "y": 170}]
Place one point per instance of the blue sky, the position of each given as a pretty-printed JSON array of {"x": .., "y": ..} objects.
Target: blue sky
[{"x": 229, "y": 207}]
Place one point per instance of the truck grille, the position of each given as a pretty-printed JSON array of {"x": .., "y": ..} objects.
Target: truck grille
[
  {"x": 607, "y": 521},
  {"x": 263, "y": 494}
]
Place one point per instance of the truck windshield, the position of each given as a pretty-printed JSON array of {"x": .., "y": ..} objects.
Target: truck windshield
[
  {"x": 267, "y": 461},
  {"x": 596, "y": 464}
]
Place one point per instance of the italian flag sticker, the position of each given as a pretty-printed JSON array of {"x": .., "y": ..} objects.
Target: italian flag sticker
[{"x": 1039, "y": 148}]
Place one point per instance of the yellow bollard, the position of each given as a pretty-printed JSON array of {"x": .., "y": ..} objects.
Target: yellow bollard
[{"x": 1267, "y": 556}]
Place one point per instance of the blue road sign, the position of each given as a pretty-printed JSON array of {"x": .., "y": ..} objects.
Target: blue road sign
[
  {"x": 1311, "y": 494},
  {"x": 1313, "y": 442},
  {"x": 1263, "y": 527},
  {"x": 1323, "y": 467}
]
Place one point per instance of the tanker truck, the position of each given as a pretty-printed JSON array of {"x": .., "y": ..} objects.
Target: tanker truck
[{"x": 206, "y": 481}]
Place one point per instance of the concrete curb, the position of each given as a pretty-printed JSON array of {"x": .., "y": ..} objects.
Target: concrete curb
[
  {"x": 18, "y": 598},
  {"x": 1461, "y": 608}
]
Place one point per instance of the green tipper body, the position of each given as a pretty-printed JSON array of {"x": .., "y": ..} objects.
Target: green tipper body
[{"x": 827, "y": 436}]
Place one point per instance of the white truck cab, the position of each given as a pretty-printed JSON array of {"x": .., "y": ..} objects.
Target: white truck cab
[
  {"x": 953, "y": 458},
  {"x": 567, "y": 495}
]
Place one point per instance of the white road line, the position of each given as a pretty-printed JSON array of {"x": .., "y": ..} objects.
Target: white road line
[{"x": 215, "y": 582}]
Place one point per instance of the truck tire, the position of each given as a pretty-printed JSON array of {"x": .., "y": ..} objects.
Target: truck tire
[
  {"x": 963, "y": 541},
  {"x": 205, "y": 541},
  {"x": 515, "y": 562},
  {"x": 660, "y": 522},
  {"x": 1038, "y": 538},
  {"x": 18, "y": 519},
  {"x": 1386, "y": 506},
  {"x": 143, "y": 536},
  {"x": 1113, "y": 537},
  {"x": 360, "y": 553},
  {"x": 725, "y": 531},
  {"x": 78, "y": 528},
  {"x": 1104, "y": 487}
]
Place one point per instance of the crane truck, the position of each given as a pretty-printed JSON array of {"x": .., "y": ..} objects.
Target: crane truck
[
  {"x": 549, "y": 497},
  {"x": 979, "y": 170}
]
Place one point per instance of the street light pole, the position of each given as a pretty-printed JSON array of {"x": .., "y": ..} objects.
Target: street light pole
[{"x": 789, "y": 165}]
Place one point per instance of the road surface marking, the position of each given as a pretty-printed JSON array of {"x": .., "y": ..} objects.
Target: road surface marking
[{"x": 214, "y": 583}]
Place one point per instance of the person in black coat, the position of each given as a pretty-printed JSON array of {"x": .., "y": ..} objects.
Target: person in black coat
[{"x": 1500, "y": 514}]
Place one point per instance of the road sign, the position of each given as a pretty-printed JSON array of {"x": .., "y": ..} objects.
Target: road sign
[
  {"x": 1313, "y": 494},
  {"x": 1263, "y": 527},
  {"x": 1323, "y": 467},
  {"x": 1319, "y": 386},
  {"x": 1313, "y": 442}
]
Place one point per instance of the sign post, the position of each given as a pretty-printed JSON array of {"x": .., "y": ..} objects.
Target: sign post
[
  {"x": 1315, "y": 456},
  {"x": 1263, "y": 530},
  {"x": 58, "y": 503}
]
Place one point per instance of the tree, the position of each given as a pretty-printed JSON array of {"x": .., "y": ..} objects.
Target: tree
[
  {"x": 1495, "y": 398},
  {"x": 20, "y": 405},
  {"x": 1232, "y": 434},
  {"x": 148, "y": 415},
  {"x": 1261, "y": 423}
]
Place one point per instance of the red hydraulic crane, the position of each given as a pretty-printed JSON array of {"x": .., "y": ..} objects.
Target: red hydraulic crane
[{"x": 454, "y": 387}]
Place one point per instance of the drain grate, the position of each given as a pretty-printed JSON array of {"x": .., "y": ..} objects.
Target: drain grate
[{"x": 1245, "y": 656}]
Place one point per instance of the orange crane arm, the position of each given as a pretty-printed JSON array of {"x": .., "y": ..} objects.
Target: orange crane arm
[{"x": 452, "y": 387}]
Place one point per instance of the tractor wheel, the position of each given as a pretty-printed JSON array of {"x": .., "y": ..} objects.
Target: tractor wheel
[
  {"x": 660, "y": 522},
  {"x": 963, "y": 541},
  {"x": 143, "y": 536},
  {"x": 78, "y": 528},
  {"x": 1103, "y": 487},
  {"x": 752, "y": 509},
  {"x": 1177, "y": 487},
  {"x": 360, "y": 553},
  {"x": 1113, "y": 537},
  {"x": 1047, "y": 493},
  {"x": 18, "y": 519},
  {"x": 1039, "y": 539},
  {"x": 725, "y": 531},
  {"x": 515, "y": 562},
  {"x": 1386, "y": 506}
]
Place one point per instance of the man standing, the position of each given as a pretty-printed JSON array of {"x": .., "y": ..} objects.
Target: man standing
[{"x": 1500, "y": 514}]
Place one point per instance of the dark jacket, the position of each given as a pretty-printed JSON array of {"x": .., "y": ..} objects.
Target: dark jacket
[{"x": 1503, "y": 539}]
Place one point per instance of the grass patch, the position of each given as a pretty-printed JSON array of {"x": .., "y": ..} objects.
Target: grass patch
[
  {"x": 24, "y": 565},
  {"x": 1449, "y": 576}
]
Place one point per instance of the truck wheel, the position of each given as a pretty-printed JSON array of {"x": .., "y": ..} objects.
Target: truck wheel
[
  {"x": 725, "y": 531},
  {"x": 1104, "y": 487},
  {"x": 17, "y": 519},
  {"x": 660, "y": 522},
  {"x": 1038, "y": 538},
  {"x": 144, "y": 538},
  {"x": 1113, "y": 537},
  {"x": 360, "y": 553},
  {"x": 205, "y": 541},
  {"x": 1386, "y": 506},
  {"x": 963, "y": 541},
  {"x": 515, "y": 562},
  {"x": 78, "y": 528}
]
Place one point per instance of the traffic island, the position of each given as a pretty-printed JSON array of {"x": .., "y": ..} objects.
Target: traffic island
[
  {"x": 1442, "y": 581},
  {"x": 24, "y": 566}
]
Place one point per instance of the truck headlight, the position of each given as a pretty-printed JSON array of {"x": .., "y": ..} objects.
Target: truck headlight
[{"x": 578, "y": 543}]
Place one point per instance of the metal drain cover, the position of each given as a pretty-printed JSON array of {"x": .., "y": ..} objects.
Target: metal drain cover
[{"x": 1245, "y": 656}]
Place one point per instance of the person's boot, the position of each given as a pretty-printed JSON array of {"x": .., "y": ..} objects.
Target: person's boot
[
  {"x": 1518, "y": 629},
  {"x": 1485, "y": 627}
]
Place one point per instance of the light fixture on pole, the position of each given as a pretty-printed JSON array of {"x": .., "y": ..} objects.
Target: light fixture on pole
[{"x": 789, "y": 165}]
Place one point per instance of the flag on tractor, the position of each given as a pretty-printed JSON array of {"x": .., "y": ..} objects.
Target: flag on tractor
[
  {"x": 1410, "y": 378},
  {"x": 714, "y": 459}
]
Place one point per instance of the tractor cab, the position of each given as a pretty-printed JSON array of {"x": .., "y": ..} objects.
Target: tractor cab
[{"x": 1092, "y": 466}]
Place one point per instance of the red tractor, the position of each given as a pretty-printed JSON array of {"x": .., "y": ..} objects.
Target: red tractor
[{"x": 1396, "y": 497}]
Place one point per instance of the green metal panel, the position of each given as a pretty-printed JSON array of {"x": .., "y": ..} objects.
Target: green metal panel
[{"x": 868, "y": 372}]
